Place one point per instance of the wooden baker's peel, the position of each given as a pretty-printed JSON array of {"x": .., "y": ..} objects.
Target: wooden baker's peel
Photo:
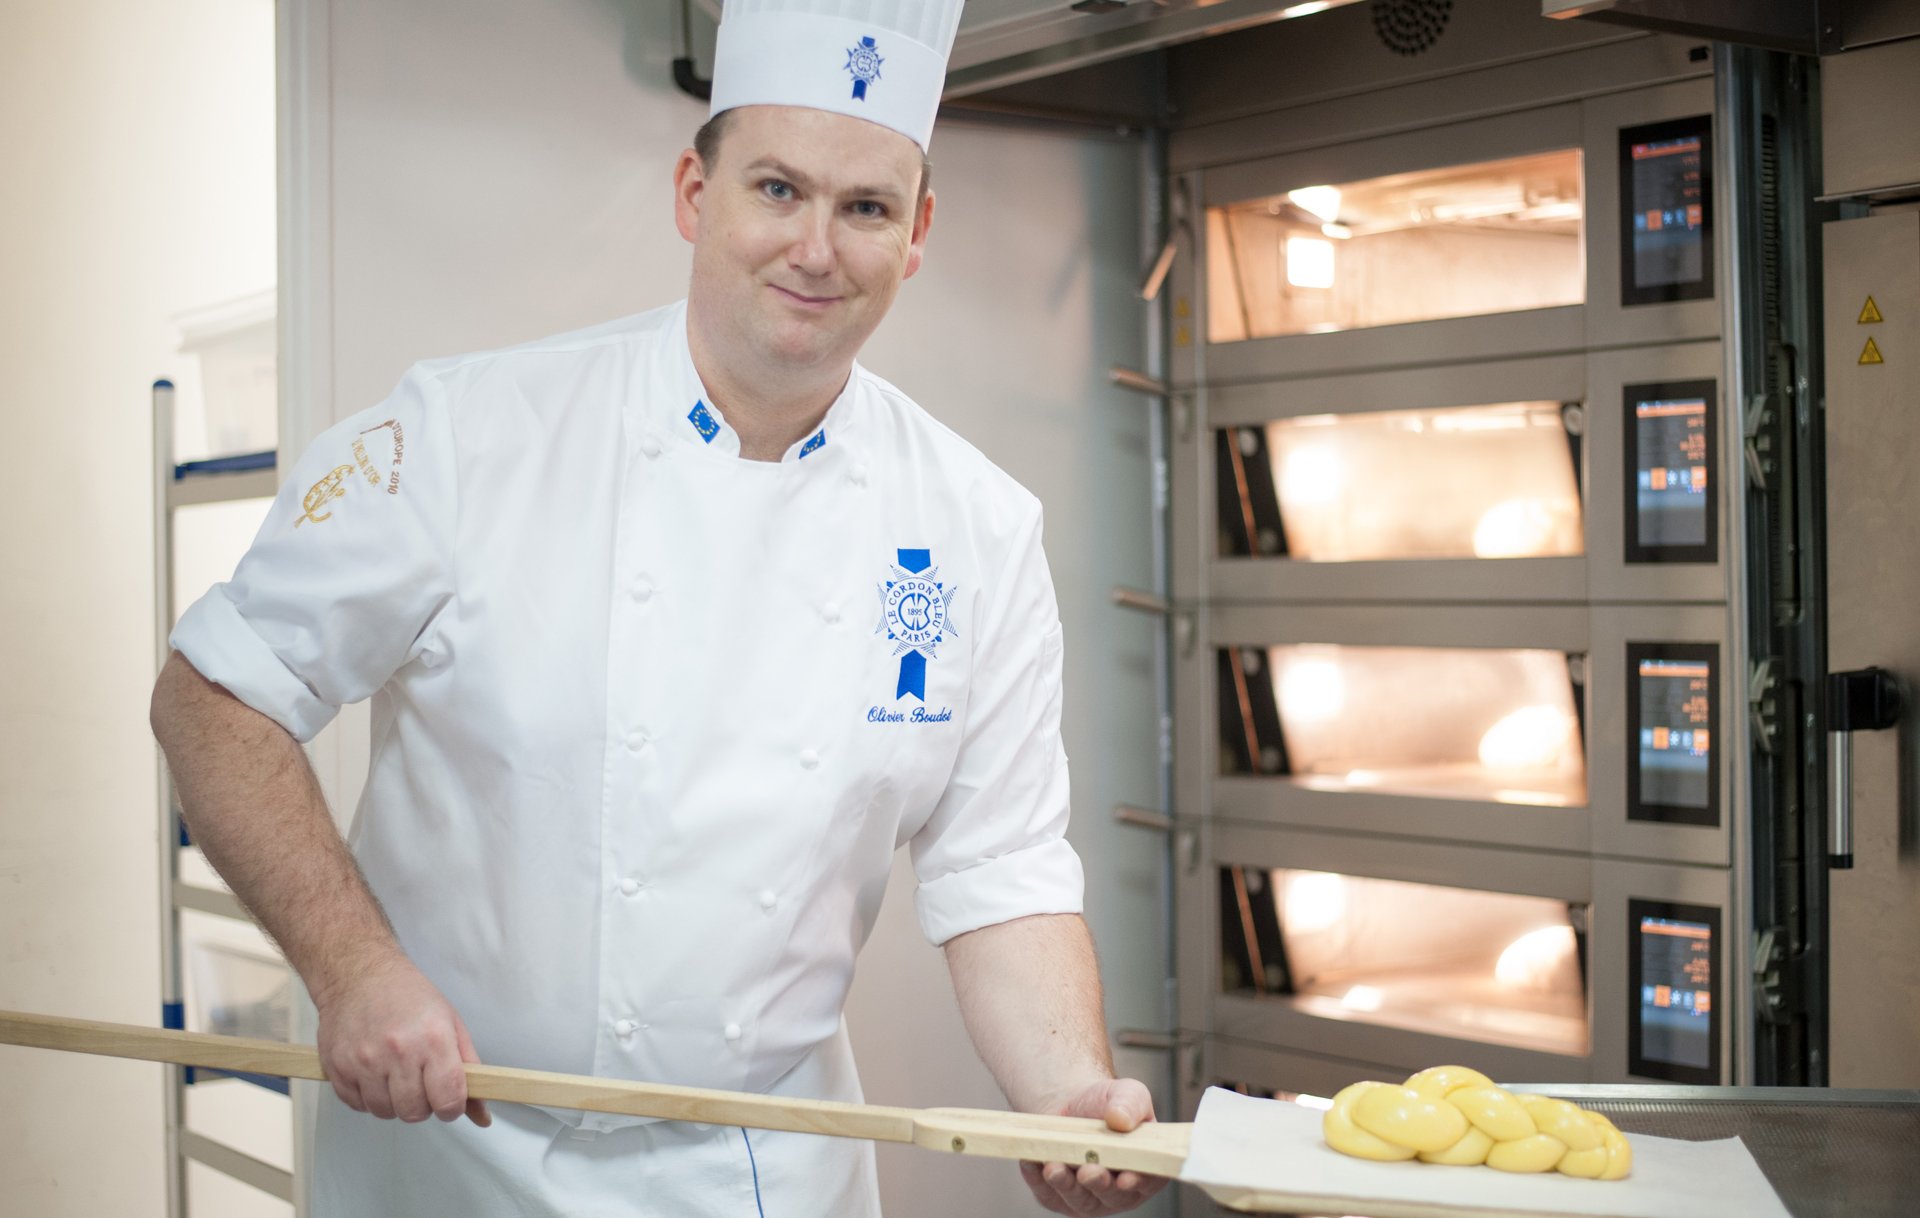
[{"x": 1156, "y": 1148}]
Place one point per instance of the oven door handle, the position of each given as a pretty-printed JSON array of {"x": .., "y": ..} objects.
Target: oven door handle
[{"x": 1863, "y": 700}]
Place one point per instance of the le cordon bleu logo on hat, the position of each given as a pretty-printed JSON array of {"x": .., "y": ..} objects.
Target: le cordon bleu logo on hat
[
  {"x": 880, "y": 60},
  {"x": 863, "y": 61}
]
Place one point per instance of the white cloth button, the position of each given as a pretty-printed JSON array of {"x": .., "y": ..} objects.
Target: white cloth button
[
  {"x": 857, "y": 475},
  {"x": 809, "y": 759},
  {"x": 830, "y": 611},
  {"x": 626, "y": 1027},
  {"x": 642, "y": 590},
  {"x": 629, "y": 885},
  {"x": 732, "y": 1031},
  {"x": 768, "y": 900},
  {"x": 650, "y": 446},
  {"x": 636, "y": 741}
]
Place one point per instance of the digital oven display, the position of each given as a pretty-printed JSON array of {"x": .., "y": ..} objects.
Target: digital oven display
[
  {"x": 1674, "y": 1015},
  {"x": 1673, "y": 712},
  {"x": 1666, "y": 212},
  {"x": 1672, "y": 474}
]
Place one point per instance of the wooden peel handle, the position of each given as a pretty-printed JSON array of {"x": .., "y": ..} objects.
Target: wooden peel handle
[{"x": 1157, "y": 1149}]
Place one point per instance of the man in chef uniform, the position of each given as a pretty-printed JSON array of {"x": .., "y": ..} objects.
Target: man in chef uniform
[{"x": 675, "y": 629}]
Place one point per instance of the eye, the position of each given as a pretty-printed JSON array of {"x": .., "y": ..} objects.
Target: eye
[
  {"x": 778, "y": 191},
  {"x": 868, "y": 209}
]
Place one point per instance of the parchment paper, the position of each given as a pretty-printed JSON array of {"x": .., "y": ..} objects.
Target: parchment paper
[{"x": 1243, "y": 1145}]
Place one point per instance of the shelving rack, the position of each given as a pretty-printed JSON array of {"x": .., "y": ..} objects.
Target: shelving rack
[{"x": 187, "y": 888}]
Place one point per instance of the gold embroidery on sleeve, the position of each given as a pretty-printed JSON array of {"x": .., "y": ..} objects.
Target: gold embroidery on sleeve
[{"x": 324, "y": 492}]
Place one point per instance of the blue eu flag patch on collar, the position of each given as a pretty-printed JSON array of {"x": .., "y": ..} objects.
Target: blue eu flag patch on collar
[
  {"x": 703, "y": 421},
  {"x": 814, "y": 445}
]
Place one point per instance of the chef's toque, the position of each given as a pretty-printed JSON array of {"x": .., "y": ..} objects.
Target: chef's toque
[{"x": 881, "y": 60}]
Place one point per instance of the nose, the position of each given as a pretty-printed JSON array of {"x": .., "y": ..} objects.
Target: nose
[{"x": 811, "y": 252}]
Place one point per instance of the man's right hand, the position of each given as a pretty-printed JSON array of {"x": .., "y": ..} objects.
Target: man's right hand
[{"x": 393, "y": 1046}]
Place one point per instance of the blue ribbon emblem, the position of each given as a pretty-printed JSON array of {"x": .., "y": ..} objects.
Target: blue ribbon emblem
[
  {"x": 916, "y": 613},
  {"x": 863, "y": 62}
]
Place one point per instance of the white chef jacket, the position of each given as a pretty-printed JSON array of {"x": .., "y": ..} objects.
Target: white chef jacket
[{"x": 649, "y": 720}]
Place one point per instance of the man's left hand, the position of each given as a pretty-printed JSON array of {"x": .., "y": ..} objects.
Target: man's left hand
[{"x": 1124, "y": 1104}]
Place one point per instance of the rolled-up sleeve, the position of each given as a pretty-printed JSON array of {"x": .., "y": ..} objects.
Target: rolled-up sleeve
[
  {"x": 995, "y": 848},
  {"x": 348, "y": 573}
]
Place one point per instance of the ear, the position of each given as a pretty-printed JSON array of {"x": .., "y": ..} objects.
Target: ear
[
  {"x": 689, "y": 181},
  {"x": 917, "y": 244}
]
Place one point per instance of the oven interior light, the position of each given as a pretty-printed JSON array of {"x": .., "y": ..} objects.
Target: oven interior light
[
  {"x": 1513, "y": 528},
  {"x": 1529, "y": 738},
  {"x": 1362, "y": 998},
  {"x": 1315, "y": 901},
  {"x": 1312, "y": 691},
  {"x": 1537, "y": 959},
  {"x": 1309, "y": 262},
  {"x": 1313, "y": 475},
  {"x": 1323, "y": 202}
]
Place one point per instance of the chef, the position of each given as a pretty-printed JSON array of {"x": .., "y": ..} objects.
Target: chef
[{"x": 675, "y": 629}]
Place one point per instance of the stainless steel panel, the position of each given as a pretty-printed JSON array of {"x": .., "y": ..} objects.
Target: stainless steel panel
[
  {"x": 1197, "y": 930},
  {"x": 1608, "y": 322},
  {"x": 1868, "y": 101},
  {"x": 1543, "y": 130},
  {"x": 1496, "y": 336},
  {"x": 1610, "y": 576},
  {"x": 1786, "y": 25},
  {"x": 1554, "y": 627},
  {"x": 1339, "y": 55},
  {"x": 1271, "y": 1069},
  {"x": 1516, "y": 380},
  {"x": 1190, "y": 438},
  {"x": 1416, "y": 581},
  {"x": 1010, "y": 41},
  {"x": 1488, "y": 868},
  {"x": 1614, "y": 884},
  {"x": 1283, "y": 803},
  {"x": 1873, "y": 581},
  {"x": 1523, "y": 85},
  {"x": 1860, "y": 22},
  {"x": 1608, "y": 686}
]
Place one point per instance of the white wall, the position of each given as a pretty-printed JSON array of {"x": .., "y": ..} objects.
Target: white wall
[
  {"x": 500, "y": 171},
  {"x": 137, "y": 141}
]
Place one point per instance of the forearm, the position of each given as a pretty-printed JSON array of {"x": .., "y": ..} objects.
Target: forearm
[
  {"x": 255, "y": 809},
  {"x": 1029, "y": 991}
]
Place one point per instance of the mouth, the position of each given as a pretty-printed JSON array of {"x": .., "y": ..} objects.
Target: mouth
[{"x": 805, "y": 301}]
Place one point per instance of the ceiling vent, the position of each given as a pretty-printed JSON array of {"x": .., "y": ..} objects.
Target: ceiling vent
[{"x": 1410, "y": 27}]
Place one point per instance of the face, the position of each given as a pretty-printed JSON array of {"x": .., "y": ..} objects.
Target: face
[{"x": 802, "y": 232}]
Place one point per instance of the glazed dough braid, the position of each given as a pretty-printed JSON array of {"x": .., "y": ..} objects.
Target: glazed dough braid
[{"x": 1454, "y": 1115}]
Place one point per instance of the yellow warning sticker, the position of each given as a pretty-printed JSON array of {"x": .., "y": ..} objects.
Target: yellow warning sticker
[
  {"x": 1870, "y": 313},
  {"x": 1870, "y": 354}
]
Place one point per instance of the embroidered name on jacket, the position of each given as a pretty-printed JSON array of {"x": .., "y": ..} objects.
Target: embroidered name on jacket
[{"x": 916, "y": 614}]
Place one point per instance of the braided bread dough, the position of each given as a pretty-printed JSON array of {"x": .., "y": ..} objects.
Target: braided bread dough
[{"x": 1455, "y": 1115}]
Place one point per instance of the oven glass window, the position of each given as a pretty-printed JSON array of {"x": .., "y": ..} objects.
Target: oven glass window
[
  {"x": 1486, "y": 724},
  {"x": 1489, "y": 966},
  {"x": 1674, "y": 992},
  {"x": 1666, "y": 212},
  {"x": 1493, "y": 481},
  {"x": 1461, "y": 241},
  {"x": 1672, "y": 729}
]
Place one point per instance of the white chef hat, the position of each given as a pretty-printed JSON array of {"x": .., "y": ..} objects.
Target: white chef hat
[{"x": 882, "y": 60}]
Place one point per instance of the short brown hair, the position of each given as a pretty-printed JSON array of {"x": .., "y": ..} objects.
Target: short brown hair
[{"x": 706, "y": 146}]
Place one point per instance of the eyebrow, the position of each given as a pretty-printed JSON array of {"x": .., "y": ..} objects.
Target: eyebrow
[{"x": 781, "y": 169}]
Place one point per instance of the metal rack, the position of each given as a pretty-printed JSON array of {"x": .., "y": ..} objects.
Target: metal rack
[{"x": 193, "y": 890}]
